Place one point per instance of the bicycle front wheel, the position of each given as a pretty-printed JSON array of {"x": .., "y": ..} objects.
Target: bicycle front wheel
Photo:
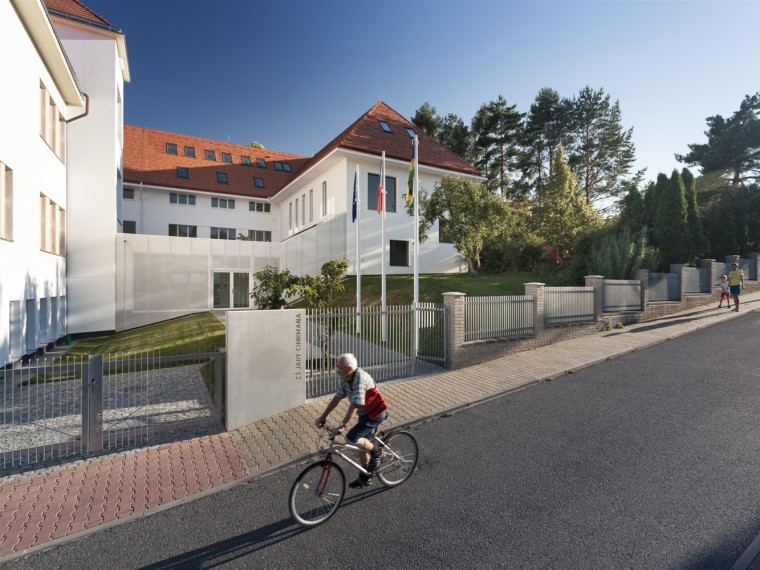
[
  {"x": 316, "y": 493},
  {"x": 398, "y": 459}
]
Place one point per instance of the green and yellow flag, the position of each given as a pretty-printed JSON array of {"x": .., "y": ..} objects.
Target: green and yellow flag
[{"x": 410, "y": 182}]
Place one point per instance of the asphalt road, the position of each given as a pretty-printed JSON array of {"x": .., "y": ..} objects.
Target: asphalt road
[{"x": 648, "y": 461}]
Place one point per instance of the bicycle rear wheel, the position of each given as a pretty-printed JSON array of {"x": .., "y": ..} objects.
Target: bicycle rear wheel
[
  {"x": 398, "y": 459},
  {"x": 316, "y": 493}
]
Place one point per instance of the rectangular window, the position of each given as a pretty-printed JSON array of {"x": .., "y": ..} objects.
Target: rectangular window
[
  {"x": 223, "y": 203},
  {"x": 227, "y": 157},
  {"x": 128, "y": 193},
  {"x": 246, "y": 160},
  {"x": 261, "y": 163},
  {"x": 190, "y": 151},
  {"x": 129, "y": 227},
  {"x": 182, "y": 199},
  {"x": 6, "y": 202},
  {"x": 324, "y": 199},
  {"x": 210, "y": 154},
  {"x": 297, "y": 224},
  {"x": 171, "y": 148},
  {"x": 223, "y": 233},
  {"x": 259, "y": 207},
  {"x": 284, "y": 166},
  {"x": 311, "y": 205},
  {"x": 183, "y": 172},
  {"x": 290, "y": 215},
  {"x": 52, "y": 227},
  {"x": 259, "y": 235},
  {"x": 399, "y": 253},
  {"x": 385, "y": 126},
  {"x": 390, "y": 192},
  {"x": 303, "y": 209},
  {"x": 52, "y": 123},
  {"x": 183, "y": 230},
  {"x": 221, "y": 177},
  {"x": 258, "y": 182}
]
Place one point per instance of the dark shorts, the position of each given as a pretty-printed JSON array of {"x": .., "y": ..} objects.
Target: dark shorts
[
  {"x": 364, "y": 427},
  {"x": 736, "y": 289}
]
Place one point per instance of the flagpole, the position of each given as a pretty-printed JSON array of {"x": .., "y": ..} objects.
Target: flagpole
[
  {"x": 416, "y": 246},
  {"x": 357, "y": 202},
  {"x": 383, "y": 307}
]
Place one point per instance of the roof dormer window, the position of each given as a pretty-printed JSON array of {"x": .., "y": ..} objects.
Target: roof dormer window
[
  {"x": 385, "y": 126},
  {"x": 284, "y": 166},
  {"x": 210, "y": 154},
  {"x": 411, "y": 132},
  {"x": 227, "y": 157},
  {"x": 171, "y": 148},
  {"x": 258, "y": 181},
  {"x": 221, "y": 177},
  {"x": 183, "y": 172},
  {"x": 246, "y": 160},
  {"x": 261, "y": 163},
  {"x": 190, "y": 151}
]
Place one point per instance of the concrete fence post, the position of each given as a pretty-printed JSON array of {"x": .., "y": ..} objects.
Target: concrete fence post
[
  {"x": 453, "y": 304},
  {"x": 678, "y": 268},
  {"x": 537, "y": 291},
  {"x": 755, "y": 257},
  {"x": 597, "y": 282},
  {"x": 712, "y": 278}
]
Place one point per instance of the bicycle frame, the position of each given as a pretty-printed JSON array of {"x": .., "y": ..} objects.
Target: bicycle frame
[{"x": 339, "y": 449}]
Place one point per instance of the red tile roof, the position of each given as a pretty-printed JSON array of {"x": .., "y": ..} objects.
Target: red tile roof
[
  {"x": 146, "y": 161},
  {"x": 76, "y": 9}
]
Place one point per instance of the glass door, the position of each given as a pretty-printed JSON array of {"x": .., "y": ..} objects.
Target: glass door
[
  {"x": 240, "y": 292},
  {"x": 221, "y": 290}
]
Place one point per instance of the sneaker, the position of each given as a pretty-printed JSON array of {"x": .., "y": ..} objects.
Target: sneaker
[{"x": 361, "y": 481}]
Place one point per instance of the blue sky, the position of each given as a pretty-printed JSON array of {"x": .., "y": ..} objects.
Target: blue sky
[{"x": 292, "y": 75}]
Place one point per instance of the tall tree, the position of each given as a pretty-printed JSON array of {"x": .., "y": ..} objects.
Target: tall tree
[
  {"x": 733, "y": 144},
  {"x": 454, "y": 134},
  {"x": 671, "y": 227},
  {"x": 427, "y": 119},
  {"x": 723, "y": 239},
  {"x": 545, "y": 129},
  {"x": 468, "y": 214},
  {"x": 561, "y": 213},
  {"x": 697, "y": 245},
  {"x": 602, "y": 152},
  {"x": 495, "y": 129},
  {"x": 632, "y": 211}
]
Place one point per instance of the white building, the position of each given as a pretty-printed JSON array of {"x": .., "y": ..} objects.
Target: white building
[{"x": 105, "y": 227}]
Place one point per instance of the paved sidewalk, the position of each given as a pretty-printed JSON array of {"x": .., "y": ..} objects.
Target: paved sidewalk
[{"x": 41, "y": 509}]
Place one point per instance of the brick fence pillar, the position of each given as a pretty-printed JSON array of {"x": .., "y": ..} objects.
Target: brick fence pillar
[
  {"x": 678, "y": 269},
  {"x": 712, "y": 278},
  {"x": 755, "y": 257},
  {"x": 537, "y": 291},
  {"x": 643, "y": 276},
  {"x": 453, "y": 304},
  {"x": 597, "y": 282}
]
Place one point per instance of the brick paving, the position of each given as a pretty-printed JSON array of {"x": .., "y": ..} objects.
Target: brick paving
[{"x": 56, "y": 504}]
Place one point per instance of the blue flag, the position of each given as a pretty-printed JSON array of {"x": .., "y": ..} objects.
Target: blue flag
[{"x": 353, "y": 208}]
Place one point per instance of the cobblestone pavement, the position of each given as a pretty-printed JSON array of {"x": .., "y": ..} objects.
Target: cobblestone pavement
[{"x": 42, "y": 508}]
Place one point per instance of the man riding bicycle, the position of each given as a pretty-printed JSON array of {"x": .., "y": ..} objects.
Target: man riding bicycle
[{"x": 364, "y": 399}]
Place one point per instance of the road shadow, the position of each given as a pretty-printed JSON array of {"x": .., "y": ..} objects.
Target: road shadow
[
  {"x": 676, "y": 320},
  {"x": 242, "y": 545}
]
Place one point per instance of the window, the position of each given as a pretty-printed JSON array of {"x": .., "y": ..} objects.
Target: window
[
  {"x": 210, "y": 154},
  {"x": 128, "y": 193},
  {"x": 444, "y": 233},
  {"x": 129, "y": 227},
  {"x": 223, "y": 233},
  {"x": 6, "y": 202},
  {"x": 190, "y": 151},
  {"x": 324, "y": 198},
  {"x": 311, "y": 205},
  {"x": 399, "y": 253},
  {"x": 183, "y": 230},
  {"x": 171, "y": 148},
  {"x": 261, "y": 163},
  {"x": 390, "y": 192},
  {"x": 284, "y": 166},
  {"x": 258, "y": 182},
  {"x": 183, "y": 199},
  {"x": 385, "y": 126},
  {"x": 411, "y": 132},
  {"x": 259, "y": 235},
  {"x": 52, "y": 226},
  {"x": 297, "y": 224},
  {"x": 259, "y": 206},
  {"x": 52, "y": 123},
  {"x": 246, "y": 160},
  {"x": 303, "y": 209},
  {"x": 290, "y": 215},
  {"x": 183, "y": 172},
  {"x": 221, "y": 177},
  {"x": 227, "y": 157},
  {"x": 223, "y": 203}
]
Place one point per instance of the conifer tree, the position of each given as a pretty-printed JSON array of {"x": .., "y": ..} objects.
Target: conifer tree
[
  {"x": 696, "y": 233},
  {"x": 671, "y": 222}
]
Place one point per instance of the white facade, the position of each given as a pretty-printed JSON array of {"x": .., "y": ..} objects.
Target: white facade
[{"x": 33, "y": 198}]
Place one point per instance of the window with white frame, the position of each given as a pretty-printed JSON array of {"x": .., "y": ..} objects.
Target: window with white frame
[
  {"x": 129, "y": 227},
  {"x": 311, "y": 205},
  {"x": 182, "y": 199},
  {"x": 52, "y": 227},
  {"x": 259, "y": 235},
  {"x": 52, "y": 123},
  {"x": 399, "y": 253},
  {"x": 290, "y": 215},
  {"x": 390, "y": 192},
  {"x": 223, "y": 203},
  {"x": 6, "y": 202},
  {"x": 297, "y": 224},
  {"x": 324, "y": 198},
  {"x": 183, "y": 230},
  {"x": 128, "y": 193},
  {"x": 303, "y": 209},
  {"x": 223, "y": 233},
  {"x": 259, "y": 206}
]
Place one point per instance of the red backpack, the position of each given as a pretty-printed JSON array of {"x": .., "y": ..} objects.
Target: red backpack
[{"x": 374, "y": 403}]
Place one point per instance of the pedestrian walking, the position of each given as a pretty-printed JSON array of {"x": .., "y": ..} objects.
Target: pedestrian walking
[
  {"x": 736, "y": 283},
  {"x": 725, "y": 291}
]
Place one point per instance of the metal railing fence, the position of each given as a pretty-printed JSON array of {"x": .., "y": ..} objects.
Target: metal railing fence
[
  {"x": 71, "y": 406},
  {"x": 622, "y": 295},
  {"x": 664, "y": 287},
  {"x": 568, "y": 305},
  {"x": 497, "y": 317},
  {"x": 433, "y": 332}
]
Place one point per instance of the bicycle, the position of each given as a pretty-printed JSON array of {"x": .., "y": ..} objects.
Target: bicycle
[{"x": 319, "y": 489}]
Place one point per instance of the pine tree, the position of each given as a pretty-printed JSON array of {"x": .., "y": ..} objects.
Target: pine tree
[
  {"x": 697, "y": 245},
  {"x": 671, "y": 222}
]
